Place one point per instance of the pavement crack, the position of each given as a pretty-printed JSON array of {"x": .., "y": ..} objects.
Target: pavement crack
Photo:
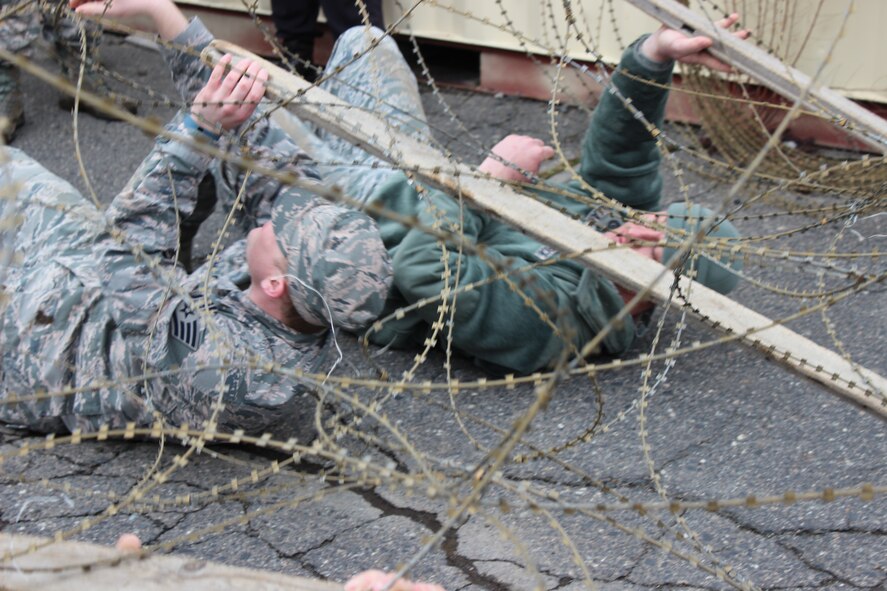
[
  {"x": 819, "y": 569},
  {"x": 426, "y": 519},
  {"x": 449, "y": 543},
  {"x": 731, "y": 515},
  {"x": 163, "y": 526},
  {"x": 562, "y": 580},
  {"x": 400, "y": 465},
  {"x": 308, "y": 566},
  {"x": 684, "y": 453}
]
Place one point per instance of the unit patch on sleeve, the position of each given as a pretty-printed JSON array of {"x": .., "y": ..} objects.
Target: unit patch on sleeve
[{"x": 185, "y": 327}]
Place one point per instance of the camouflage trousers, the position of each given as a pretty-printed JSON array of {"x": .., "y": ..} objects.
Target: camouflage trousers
[
  {"x": 378, "y": 82},
  {"x": 23, "y": 21}
]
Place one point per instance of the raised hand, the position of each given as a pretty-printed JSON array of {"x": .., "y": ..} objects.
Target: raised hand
[
  {"x": 165, "y": 17},
  {"x": 526, "y": 152},
  {"x": 230, "y": 95},
  {"x": 112, "y": 8},
  {"x": 670, "y": 44}
]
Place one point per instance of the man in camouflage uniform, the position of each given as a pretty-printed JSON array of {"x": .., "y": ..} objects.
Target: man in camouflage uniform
[
  {"x": 22, "y": 23},
  {"x": 99, "y": 326}
]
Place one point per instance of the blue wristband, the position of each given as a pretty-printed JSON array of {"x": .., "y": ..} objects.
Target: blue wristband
[{"x": 192, "y": 125}]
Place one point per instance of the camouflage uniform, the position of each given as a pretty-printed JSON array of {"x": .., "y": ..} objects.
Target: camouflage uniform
[
  {"x": 97, "y": 306},
  {"x": 26, "y": 20}
]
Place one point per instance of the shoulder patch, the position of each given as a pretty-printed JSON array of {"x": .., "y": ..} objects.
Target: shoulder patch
[{"x": 185, "y": 327}]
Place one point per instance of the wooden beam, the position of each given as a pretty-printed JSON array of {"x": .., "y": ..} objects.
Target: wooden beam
[
  {"x": 567, "y": 235},
  {"x": 78, "y": 566},
  {"x": 772, "y": 72}
]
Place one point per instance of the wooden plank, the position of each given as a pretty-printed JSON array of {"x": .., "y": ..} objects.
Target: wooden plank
[
  {"x": 76, "y": 566},
  {"x": 772, "y": 72},
  {"x": 622, "y": 266}
]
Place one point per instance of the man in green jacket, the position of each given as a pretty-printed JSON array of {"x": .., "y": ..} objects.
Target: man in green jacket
[
  {"x": 494, "y": 322},
  {"x": 504, "y": 328}
]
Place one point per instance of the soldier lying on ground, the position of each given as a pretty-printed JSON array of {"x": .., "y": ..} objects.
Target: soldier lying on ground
[
  {"x": 99, "y": 325},
  {"x": 493, "y": 322}
]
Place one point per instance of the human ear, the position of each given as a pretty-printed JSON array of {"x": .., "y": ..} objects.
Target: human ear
[{"x": 274, "y": 287}]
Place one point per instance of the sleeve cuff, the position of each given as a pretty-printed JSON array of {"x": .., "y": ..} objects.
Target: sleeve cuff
[
  {"x": 192, "y": 125},
  {"x": 653, "y": 67},
  {"x": 195, "y": 35},
  {"x": 189, "y": 158}
]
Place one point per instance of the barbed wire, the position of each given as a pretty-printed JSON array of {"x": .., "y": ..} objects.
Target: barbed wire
[{"x": 783, "y": 197}]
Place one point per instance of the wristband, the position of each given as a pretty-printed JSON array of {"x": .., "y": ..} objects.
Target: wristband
[{"x": 192, "y": 125}]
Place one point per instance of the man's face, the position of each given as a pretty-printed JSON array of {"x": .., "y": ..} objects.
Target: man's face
[{"x": 263, "y": 255}]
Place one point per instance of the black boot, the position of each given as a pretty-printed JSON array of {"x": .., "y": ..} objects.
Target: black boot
[
  {"x": 12, "y": 106},
  {"x": 301, "y": 55},
  {"x": 92, "y": 83}
]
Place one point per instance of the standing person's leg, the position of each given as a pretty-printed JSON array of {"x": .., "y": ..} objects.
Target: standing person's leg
[
  {"x": 296, "y": 24},
  {"x": 67, "y": 36},
  {"x": 341, "y": 15},
  {"x": 12, "y": 105},
  {"x": 16, "y": 33}
]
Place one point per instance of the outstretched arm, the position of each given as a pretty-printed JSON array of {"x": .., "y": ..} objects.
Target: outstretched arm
[
  {"x": 163, "y": 15},
  {"x": 672, "y": 45},
  {"x": 620, "y": 157},
  {"x": 164, "y": 18}
]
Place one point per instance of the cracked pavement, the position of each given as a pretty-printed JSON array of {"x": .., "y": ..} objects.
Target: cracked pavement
[{"x": 727, "y": 423}]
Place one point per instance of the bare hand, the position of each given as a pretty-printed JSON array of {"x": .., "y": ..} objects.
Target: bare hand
[
  {"x": 111, "y": 8},
  {"x": 644, "y": 241},
  {"x": 376, "y": 580},
  {"x": 669, "y": 44},
  {"x": 641, "y": 239},
  {"x": 165, "y": 18},
  {"x": 228, "y": 99},
  {"x": 525, "y": 152}
]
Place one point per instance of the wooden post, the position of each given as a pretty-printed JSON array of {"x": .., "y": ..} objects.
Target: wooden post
[
  {"x": 566, "y": 234},
  {"x": 77, "y": 566}
]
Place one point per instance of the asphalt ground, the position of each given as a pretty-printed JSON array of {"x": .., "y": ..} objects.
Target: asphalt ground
[{"x": 727, "y": 423}]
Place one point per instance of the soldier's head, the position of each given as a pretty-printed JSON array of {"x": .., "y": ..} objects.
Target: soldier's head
[{"x": 320, "y": 264}]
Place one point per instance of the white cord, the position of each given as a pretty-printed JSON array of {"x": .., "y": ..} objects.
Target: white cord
[{"x": 329, "y": 314}]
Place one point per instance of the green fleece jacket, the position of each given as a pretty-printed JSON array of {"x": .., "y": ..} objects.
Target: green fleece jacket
[{"x": 494, "y": 323}]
